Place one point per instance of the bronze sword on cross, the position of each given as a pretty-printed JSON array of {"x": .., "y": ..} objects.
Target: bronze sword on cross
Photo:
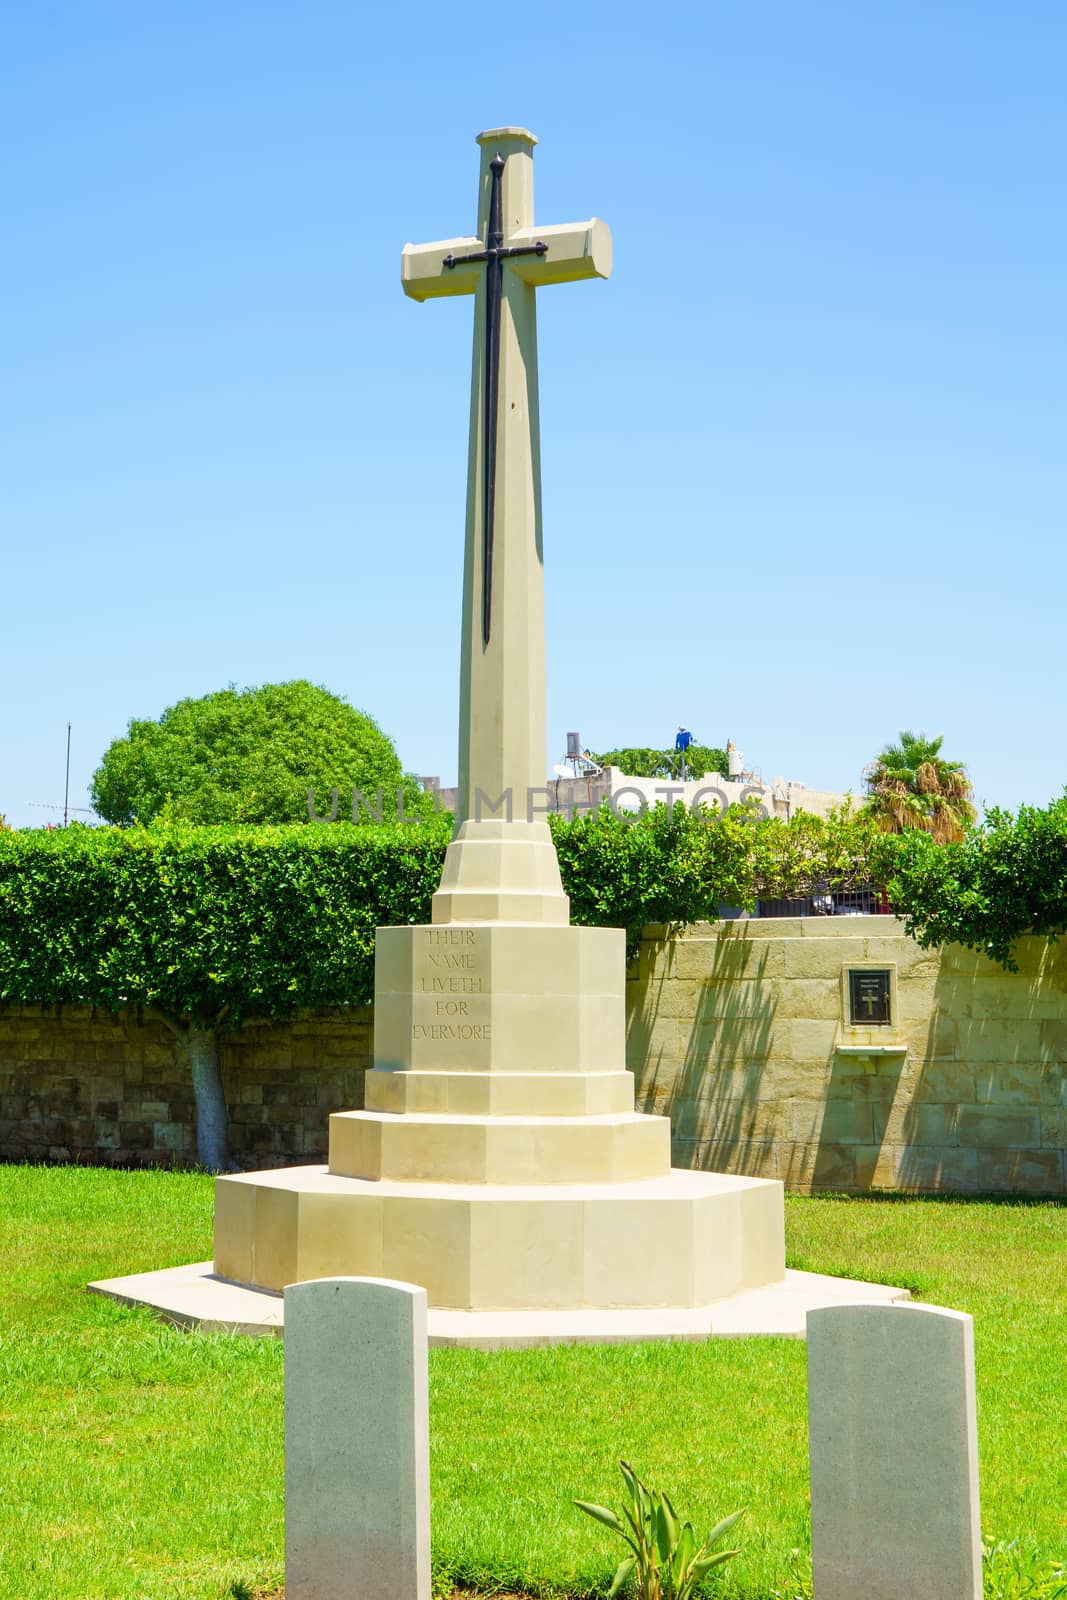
[
  {"x": 502, "y": 736},
  {"x": 494, "y": 255}
]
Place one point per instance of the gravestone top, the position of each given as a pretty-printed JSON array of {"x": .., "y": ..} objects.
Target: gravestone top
[
  {"x": 357, "y": 1478},
  {"x": 894, "y": 1457}
]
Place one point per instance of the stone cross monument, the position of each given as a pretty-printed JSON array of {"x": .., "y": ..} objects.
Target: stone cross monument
[
  {"x": 499, "y": 1161},
  {"x": 502, "y": 760}
]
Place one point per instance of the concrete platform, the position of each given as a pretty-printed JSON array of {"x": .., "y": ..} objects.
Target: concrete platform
[{"x": 194, "y": 1297}]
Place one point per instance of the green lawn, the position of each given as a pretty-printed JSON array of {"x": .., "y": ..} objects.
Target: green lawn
[{"x": 139, "y": 1461}]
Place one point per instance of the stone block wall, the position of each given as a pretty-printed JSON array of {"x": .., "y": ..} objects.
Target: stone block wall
[
  {"x": 83, "y": 1086},
  {"x": 740, "y": 1032},
  {"x": 737, "y": 1030}
]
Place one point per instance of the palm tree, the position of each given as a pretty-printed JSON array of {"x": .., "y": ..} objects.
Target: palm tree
[{"x": 912, "y": 786}]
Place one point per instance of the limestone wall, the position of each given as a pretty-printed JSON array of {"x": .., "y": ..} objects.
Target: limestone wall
[
  {"x": 740, "y": 1032},
  {"x": 94, "y": 1088}
]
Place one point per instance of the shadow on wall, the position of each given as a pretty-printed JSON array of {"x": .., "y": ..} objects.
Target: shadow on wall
[
  {"x": 745, "y": 1044},
  {"x": 705, "y": 1070},
  {"x": 974, "y": 1106},
  {"x": 849, "y": 1127},
  {"x": 987, "y": 1108}
]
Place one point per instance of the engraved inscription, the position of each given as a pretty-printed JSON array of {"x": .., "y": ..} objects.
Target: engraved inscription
[
  {"x": 451, "y": 986},
  {"x": 451, "y": 1030},
  {"x": 451, "y": 962}
]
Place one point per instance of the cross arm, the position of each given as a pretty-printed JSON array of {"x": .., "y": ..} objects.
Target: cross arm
[
  {"x": 562, "y": 254},
  {"x": 423, "y": 274},
  {"x": 575, "y": 250}
]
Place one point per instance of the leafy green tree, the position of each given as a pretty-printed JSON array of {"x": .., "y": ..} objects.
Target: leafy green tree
[
  {"x": 641, "y": 763},
  {"x": 247, "y": 755},
  {"x": 665, "y": 865},
  {"x": 1007, "y": 878},
  {"x": 846, "y": 849},
  {"x": 911, "y": 785}
]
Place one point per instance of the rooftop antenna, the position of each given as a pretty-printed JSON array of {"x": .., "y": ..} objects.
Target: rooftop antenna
[
  {"x": 66, "y": 785},
  {"x": 577, "y": 763},
  {"x": 75, "y": 811}
]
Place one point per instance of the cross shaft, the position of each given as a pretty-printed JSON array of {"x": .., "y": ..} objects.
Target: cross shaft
[
  {"x": 494, "y": 256},
  {"x": 502, "y": 714}
]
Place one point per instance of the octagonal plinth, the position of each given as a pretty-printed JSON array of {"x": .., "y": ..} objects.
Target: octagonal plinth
[
  {"x": 509, "y": 998},
  {"x": 500, "y": 1150},
  {"x": 500, "y": 1094},
  {"x": 498, "y": 871},
  {"x": 499, "y": 1161},
  {"x": 684, "y": 1239}
]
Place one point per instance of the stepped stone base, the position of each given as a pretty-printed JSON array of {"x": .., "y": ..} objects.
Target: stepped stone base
[
  {"x": 499, "y": 1150},
  {"x": 682, "y": 1239},
  {"x": 503, "y": 999},
  {"x": 500, "y": 872},
  {"x": 500, "y": 1094},
  {"x": 499, "y": 1161}
]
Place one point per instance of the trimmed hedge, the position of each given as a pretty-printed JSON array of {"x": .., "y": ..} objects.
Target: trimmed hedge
[
  {"x": 1007, "y": 878},
  {"x": 210, "y": 925},
  {"x": 663, "y": 866},
  {"x": 214, "y": 924},
  {"x": 207, "y": 926}
]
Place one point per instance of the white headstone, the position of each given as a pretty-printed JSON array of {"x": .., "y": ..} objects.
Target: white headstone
[
  {"x": 894, "y": 1454},
  {"x": 357, "y": 1467}
]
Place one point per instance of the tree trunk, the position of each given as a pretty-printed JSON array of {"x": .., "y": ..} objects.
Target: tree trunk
[{"x": 202, "y": 1049}]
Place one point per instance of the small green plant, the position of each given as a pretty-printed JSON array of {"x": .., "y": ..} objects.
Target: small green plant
[
  {"x": 666, "y": 1563},
  {"x": 798, "y": 1583},
  {"x": 1012, "y": 1571}
]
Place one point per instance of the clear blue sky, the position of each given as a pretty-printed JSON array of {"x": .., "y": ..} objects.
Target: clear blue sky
[{"x": 804, "y": 454}]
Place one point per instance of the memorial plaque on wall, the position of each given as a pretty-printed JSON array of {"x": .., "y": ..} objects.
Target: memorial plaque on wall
[{"x": 868, "y": 997}]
